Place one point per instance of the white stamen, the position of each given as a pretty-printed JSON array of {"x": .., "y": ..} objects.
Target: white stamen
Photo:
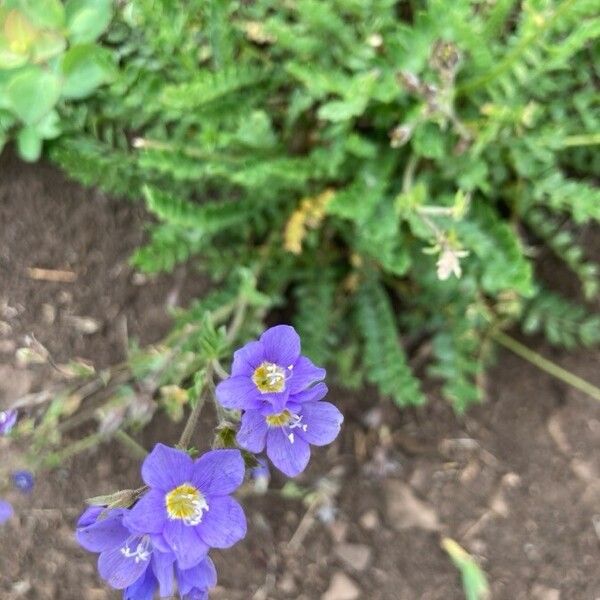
[
  {"x": 274, "y": 374},
  {"x": 291, "y": 437},
  {"x": 141, "y": 553},
  {"x": 295, "y": 421},
  {"x": 200, "y": 506}
]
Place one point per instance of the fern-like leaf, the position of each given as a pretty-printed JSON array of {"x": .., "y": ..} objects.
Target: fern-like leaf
[{"x": 385, "y": 362}]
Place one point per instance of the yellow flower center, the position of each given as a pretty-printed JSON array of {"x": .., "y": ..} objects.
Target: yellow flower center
[
  {"x": 279, "y": 419},
  {"x": 269, "y": 377},
  {"x": 185, "y": 502}
]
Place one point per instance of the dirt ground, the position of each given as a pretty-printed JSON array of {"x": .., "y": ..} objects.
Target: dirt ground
[{"x": 516, "y": 482}]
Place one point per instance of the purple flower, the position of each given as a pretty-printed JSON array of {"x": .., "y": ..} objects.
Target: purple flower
[
  {"x": 8, "y": 418},
  {"x": 6, "y": 511},
  {"x": 23, "y": 481},
  {"x": 278, "y": 391},
  {"x": 129, "y": 561},
  {"x": 188, "y": 508}
]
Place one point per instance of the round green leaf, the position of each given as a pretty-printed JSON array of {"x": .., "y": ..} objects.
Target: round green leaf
[
  {"x": 84, "y": 68},
  {"x": 47, "y": 45},
  {"x": 8, "y": 58},
  {"x": 87, "y": 19},
  {"x": 49, "y": 126},
  {"x": 44, "y": 13},
  {"x": 19, "y": 32},
  {"x": 29, "y": 144},
  {"x": 32, "y": 92}
]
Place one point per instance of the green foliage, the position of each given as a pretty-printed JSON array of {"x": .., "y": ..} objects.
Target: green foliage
[
  {"x": 385, "y": 362},
  {"x": 473, "y": 578},
  {"x": 314, "y": 319},
  {"x": 47, "y": 55},
  {"x": 385, "y": 172},
  {"x": 564, "y": 323}
]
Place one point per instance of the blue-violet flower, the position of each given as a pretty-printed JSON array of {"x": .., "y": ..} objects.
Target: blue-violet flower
[
  {"x": 129, "y": 560},
  {"x": 23, "y": 481},
  {"x": 6, "y": 511},
  {"x": 280, "y": 394},
  {"x": 188, "y": 508}
]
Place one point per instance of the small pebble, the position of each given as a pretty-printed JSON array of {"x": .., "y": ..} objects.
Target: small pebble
[
  {"x": 356, "y": 556},
  {"x": 341, "y": 587},
  {"x": 369, "y": 520}
]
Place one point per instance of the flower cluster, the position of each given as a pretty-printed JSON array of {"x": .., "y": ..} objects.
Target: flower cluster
[
  {"x": 163, "y": 541},
  {"x": 280, "y": 392},
  {"x": 132, "y": 562}
]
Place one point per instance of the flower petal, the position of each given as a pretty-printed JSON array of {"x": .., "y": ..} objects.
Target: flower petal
[
  {"x": 323, "y": 422},
  {"x": 162, "y": 565},
  {"x": 149, "y": 514},
  {"x": 281, "y": 345},
  {"x": 289, "y": 457},
  {"x": 165, "y": 468},
  {"x": 304, "y": 374},
  {"x": 159, "y": 543},
  {"x": 120, "y": 570},
  {"x": 90, "y": 515},
  {"x": 196, "y": 594},
  {"x": 238, "y": 393},
  {"x": 246, "y": 359},
  {"x": 143, "y": 588},
  {"x": 219, "y": 472},
  {"x": 185, "y": 543},
  {"x": 202, "y": 577},
  {"x": 223, "y": 524},
  {"x": 6, "y": 511},
  {"x": 312, "y": 394},
  {"x": 103, "y": 534},
  {"x": 275, "y": 401},
  {"x": 252, "y": 434},
  {"x": 8, "y": 418}
]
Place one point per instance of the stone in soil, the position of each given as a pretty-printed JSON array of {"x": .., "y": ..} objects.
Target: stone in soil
[
  {"x": 341, "y": 588},
  {"x": 355, "y": 556}
]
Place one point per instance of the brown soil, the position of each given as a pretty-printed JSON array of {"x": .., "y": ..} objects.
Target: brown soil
[{"x": 516, "y": 482}]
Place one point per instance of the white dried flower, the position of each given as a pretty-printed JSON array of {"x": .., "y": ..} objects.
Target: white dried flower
[{"x": 449, "y": 263}]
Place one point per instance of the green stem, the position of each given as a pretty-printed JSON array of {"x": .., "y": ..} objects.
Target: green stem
[
  {"x": 73, "y": 449},
  {"x": 589, "y": 139},
  {"x": 147, "y": 144},
  {"x": 548, "y": 366},
  {"x": 409, "y": 173},
  {"x": 237, "y": 320},
  {"x": 190, "y": 426},
  {"x": 137, "y": 449}
]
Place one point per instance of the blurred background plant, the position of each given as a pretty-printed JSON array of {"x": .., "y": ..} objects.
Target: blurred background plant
[
  {"x": 48, "y": 55},
  {"x": 382, "y": 174}
]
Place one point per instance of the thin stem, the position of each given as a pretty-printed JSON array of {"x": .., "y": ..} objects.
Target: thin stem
[
  {"x": 238, "y": 320},
  {"x": 147, "y": 144},
  {"x": 75, "y": 448},
  {"x": 590, "y": 139},
  {"x": 190, "y": 426},
  {"x": 409, "y": 173},
  {"x": 443, "y": 211},
  {"x": 548, "y": 366},
  {"x": 208, "y": 388},
  {"x": 219, "y": 370},
  {"x": 136, "y": 448}
]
